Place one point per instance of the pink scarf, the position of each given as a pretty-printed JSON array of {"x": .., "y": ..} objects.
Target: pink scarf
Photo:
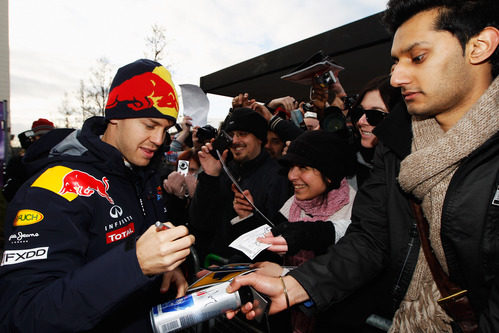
[{"x": 317, "y": 209}]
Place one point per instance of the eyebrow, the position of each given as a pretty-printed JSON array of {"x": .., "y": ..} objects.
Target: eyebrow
[{"x": 410, "y": 47}]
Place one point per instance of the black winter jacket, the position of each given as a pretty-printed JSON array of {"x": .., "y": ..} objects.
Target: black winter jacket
[
  {"x": 70, "y": 263},
  {"x": 382, "y": 234},
  {"x": 211, "y": 207}
]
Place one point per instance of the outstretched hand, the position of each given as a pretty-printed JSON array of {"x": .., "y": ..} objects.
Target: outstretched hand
[
  {"x": 270, "y": 286},
  {"x": 277, "y": 244}
]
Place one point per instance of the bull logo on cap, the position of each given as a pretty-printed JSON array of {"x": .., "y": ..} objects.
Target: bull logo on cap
[{"x": 145, "y": 91}]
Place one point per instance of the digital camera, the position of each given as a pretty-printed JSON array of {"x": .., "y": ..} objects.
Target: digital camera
[
  {"x": 222, "y": 141},
  {"x": 206, "y": 133},
  {"x": 183, "y": 167},
  {"x": 325, "y": 79}
]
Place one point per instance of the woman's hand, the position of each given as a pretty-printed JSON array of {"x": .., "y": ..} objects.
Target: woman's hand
[{"x": 278, "y": 244}]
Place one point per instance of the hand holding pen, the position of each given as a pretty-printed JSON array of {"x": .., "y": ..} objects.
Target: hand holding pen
[{"x": 163, "y": 247}]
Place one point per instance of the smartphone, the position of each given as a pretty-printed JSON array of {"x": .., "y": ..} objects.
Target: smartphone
[{"x": 183, "y": 167}]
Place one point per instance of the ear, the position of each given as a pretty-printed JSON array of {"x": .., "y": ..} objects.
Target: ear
[{"x": 482, "y": 46}]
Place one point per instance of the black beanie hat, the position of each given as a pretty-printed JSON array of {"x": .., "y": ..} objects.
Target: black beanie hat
[
  {"x": 142, "y": 89},
  {"x": 248, "y": 120},
  {"x": 327, "y": 152}
]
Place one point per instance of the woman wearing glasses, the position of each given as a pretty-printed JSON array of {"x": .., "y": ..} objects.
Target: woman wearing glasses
[{"x": 375, "y": 102}]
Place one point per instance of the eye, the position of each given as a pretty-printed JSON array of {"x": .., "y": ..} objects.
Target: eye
[{"x": 418, "y": 59}]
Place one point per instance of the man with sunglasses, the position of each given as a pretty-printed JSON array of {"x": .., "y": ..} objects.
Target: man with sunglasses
[{"x": 443, "y": 153}]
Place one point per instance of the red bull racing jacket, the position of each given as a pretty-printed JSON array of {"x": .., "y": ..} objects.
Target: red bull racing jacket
[{"x": 69, "y": 262}]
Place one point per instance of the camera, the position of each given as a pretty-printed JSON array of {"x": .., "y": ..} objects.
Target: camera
[
  {"x": 222, "y": 141},
  {"x": 333, "y": 119},
  {"x": 349, "y": 101},
  {"x": 206, "y": 133},
  {"x": 325, "y": 79},
  {"x": 26, "y": 138},
  {"x": 183, "y": 167}
]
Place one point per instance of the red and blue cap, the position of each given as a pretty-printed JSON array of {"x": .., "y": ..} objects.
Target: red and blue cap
[{"x": 142, "y": 89}]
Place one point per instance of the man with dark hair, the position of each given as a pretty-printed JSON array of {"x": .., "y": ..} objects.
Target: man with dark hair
[
  {"x": 213, "y": 219},
  {"x": 82, "y": 252},
  {"x": 444, "y": 154}
]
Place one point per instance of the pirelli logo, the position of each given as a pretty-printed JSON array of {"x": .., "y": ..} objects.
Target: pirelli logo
[{"x": 12, "y": 257}]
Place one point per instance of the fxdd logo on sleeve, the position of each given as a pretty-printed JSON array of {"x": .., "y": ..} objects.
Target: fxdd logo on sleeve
[
  {"x": 12, "y": 257},
  {"x": 27, "y": 217}
]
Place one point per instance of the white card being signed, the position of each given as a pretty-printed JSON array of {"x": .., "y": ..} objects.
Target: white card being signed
[{"x": 248, "y": 244}]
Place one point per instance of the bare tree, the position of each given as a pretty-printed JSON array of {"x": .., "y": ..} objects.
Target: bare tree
[
  {"x": 91, "y": 97},
  {"x": 68, "y": 113},
  {"x": 156, "y": 43},
  {"x": 82, "y": 96},
  {"x": 100, "y": 81}
]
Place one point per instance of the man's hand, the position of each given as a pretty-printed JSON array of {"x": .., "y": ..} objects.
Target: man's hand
[
  {"x": 163, "y": 251},
  {"x": 242, "y": 101},
  {"x": 175, "y": 184},
  {"x": 177, "y": 277},
  {"x": 210, "y": 164},
  {"x": 268, "y": 268},
  {"x": 186, "y": 129},
  {"x": 262, "y": 110},
  {"x": 270, "y": 286},
  {"x": 287, "y": 102},
  {"x": 191, "y": 181},
  {"x": 242, "y": 207}
]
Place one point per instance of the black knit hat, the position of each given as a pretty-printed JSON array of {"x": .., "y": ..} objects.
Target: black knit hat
[
  {"x": 142, "y": 89},
  {"x": 327, "y": 152},
  {"x": 248, "y": 120}
]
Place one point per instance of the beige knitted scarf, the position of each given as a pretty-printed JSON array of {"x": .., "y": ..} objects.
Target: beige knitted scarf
[{"x": 426, "y": 173}]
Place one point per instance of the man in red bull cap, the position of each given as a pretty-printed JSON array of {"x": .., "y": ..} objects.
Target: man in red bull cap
[{"x": 82, "y": 252}]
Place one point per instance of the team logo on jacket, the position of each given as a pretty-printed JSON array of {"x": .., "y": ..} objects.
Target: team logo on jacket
[
  {"x": 120, "y": 233},
  {"x": 70, "y": 183},
  {"x": 27, "y": 217},
  {"x": 12, "y": 257},
  {"x": 115, "y": 211},
  {"x": 21, "y": 237}
]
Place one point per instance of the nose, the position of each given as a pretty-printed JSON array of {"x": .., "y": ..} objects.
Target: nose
[
  {"x": 158, "y": 136},
  {"x": 236, "y": 139},
  {"x": 362, "y": 121},
  {"x": 293, "y": 173},
  {"x": 399, "y": 76}
]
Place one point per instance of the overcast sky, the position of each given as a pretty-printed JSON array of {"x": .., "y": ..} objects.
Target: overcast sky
[{"x": 55, "y": 43}]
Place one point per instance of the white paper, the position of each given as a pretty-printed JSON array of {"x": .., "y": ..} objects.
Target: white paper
[
  {"x": 196, "y": 104},
  {"x": 248, "y": 244}
]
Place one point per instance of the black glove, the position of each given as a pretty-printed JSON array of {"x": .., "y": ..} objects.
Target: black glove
[{"x": 315, "y": 236}]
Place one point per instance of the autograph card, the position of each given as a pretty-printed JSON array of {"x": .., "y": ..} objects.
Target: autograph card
[{"x": 248, "y": 244}]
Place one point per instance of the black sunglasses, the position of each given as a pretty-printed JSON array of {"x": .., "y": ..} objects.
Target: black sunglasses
[{"x": 374, "y": 117}]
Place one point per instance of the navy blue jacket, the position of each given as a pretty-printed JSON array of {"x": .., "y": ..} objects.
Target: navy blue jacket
[{"x": 69, "y": 262}]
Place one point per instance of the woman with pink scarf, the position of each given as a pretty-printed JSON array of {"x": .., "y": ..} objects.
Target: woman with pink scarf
[{"x": 318, "y": 213}]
